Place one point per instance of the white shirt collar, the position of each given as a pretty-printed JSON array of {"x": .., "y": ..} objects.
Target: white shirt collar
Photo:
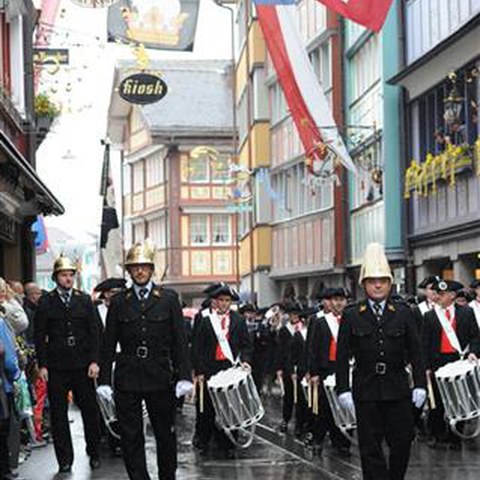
[{"x": 137, "y": 289}]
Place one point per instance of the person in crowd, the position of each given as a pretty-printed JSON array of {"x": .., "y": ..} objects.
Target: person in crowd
[
  {"x": 18, "y": 291},
  {"x": 449, "y": 331},
  {"x": 323, "y": 362},
  {"x": 67, "y": 344},
  {"x": 14, "y": 314},
  {"x": 475, "y": 303},
  {"x": 152, "y": 366},
  {"x": 33, "y": 294},
  {"x": 382, "y": 338},
  {"x": 10, "y": 372},
  {"x": 426, "y": 288},
  {"x": 463, "y": 298},
  {"x": 222, "y": 337}
]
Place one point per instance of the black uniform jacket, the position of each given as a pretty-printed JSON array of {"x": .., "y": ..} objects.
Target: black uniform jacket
[
  {"x": 299, "y": 354},
  {"x": 284, "y": 351},
  {"x": 206, "y": 345},
  {"x": 66, "y": 338},
  {"x": 381, "y": 350},
  {"x": 153, "y": 345},
  {"x": 320, "y": 350},
  {"x": 467, "y": 334}
]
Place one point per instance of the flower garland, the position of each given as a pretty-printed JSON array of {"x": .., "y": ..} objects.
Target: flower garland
[{"x": 445, "y": 165}]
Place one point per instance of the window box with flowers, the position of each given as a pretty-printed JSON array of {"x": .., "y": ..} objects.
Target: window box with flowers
[
  {"x": 422, "y": 178},
  {"x": 45, "y": 112}
]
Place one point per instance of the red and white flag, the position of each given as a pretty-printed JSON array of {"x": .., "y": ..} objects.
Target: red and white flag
[
  {"x": 369, "y": 13},
  {"x": 302, "y": 90}
]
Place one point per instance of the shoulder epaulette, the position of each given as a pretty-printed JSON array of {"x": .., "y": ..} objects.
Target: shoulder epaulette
[{"x": 167, "y": 291}]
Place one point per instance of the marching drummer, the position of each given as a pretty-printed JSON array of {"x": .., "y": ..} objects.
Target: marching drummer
[
  {"x": 152, "y": 367},
  {"x": 475, "y": 303},
  {"x": 381, "y": 336},
  {"x": 426, "y": 286},
  {"x": 324, "y": 356},
  {"x": 449, "y": 333},
  {"x": 221, "y": 333}
]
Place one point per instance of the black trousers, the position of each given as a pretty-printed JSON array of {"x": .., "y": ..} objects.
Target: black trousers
[
  {"x": 207, "y": 427},
  {"x": 324, "y": 423},
  {"x": 391, "y": 421},
  {"x": 301, "y": 406},
  {"x": 161, "y": 410},
  {"x": 60, "y": 382}
]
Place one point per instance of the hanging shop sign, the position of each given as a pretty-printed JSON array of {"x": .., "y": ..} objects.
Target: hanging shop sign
[
  {"x": 142, "y": 88},
  {"x": 94, "y": 3},
  {"x": 51, "y": 56},
  {"x": 162, "y": 25},
  {"x": 7, "y": 228}
]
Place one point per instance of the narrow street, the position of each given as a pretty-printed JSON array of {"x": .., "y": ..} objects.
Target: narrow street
[{"x": 272, "y": 456}]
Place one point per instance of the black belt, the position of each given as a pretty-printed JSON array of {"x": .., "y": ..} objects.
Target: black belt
[
  {"x": 381, "y": 368},
  {"x": 143, "y": 352}
]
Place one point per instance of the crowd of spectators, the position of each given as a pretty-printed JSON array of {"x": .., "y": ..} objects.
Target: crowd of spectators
[{"x": 23, "y": 395}]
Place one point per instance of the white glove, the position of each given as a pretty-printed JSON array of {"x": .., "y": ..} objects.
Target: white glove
[
  {"x": 346, "y": 401},
  {"x": 183, "y": 387},
  {"x": 105, "y": 391},
  {"x": 419, "y": 395}
]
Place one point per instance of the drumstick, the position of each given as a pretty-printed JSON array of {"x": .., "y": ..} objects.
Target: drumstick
[
  {"x": 295, "y": 392},
  {"x": 315, "y": 399},
  {"x": 282, "y": 386},
  {"x": 193, "y": 397},
  {"x": 201, "y": 396},
  {"x": 431, "y": 395},
  {"x": 309, "y": 394}
]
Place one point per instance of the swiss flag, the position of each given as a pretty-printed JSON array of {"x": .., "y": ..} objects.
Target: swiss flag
[{"x": 369, "y": 13}]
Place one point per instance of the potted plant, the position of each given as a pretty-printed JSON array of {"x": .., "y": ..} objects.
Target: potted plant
[{"x": 45, "y": 110}]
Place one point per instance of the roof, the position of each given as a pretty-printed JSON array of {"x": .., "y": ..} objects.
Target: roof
[{"x": 199, "y": 97}]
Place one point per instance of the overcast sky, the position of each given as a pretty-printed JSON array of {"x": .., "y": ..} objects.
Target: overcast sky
[{"x": 70, "y": 159}]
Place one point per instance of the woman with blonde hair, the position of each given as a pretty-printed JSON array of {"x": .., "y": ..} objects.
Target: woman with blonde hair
[{"x": 14, "y": 314}]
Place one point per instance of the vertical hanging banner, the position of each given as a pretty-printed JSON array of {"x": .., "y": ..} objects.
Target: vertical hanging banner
[
  {"x": 369, "y": 13},
  {"x": 302, "y": 89},
  {"x": 157, "y": 24}
]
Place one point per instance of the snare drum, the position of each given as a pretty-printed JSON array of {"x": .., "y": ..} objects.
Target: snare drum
[
  {"x": 459, "y": 386},
  {"x": 235, "y": 400},
  {"x": 344, "y": 419}
]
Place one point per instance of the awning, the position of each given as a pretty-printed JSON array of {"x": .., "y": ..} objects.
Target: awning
[{"x": 39, "y": 195}]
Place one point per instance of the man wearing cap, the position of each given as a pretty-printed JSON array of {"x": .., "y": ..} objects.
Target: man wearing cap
[
  {"x": 475, "y": 303},
  {"x": 449, "y": 332},
  {"x": 324, "y": 357},
  {"x": 382, "y": 338},
  {"x": 426, "y": 285},
  {"x": 67, "y": 343},
  {"x": 219, "y": 324},
  {"x": 153, "y": 366}
]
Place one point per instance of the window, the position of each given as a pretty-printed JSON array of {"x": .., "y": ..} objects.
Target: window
[
  {"x": 198, "y": 170},
  {"x": 221, "y": 230},
  {"x": 366, "y": 67},
  {"x": 220, "y": 172},
  {"x": 242, "y": 112},
  {"x": 154, "y": 170},
  {"x": 260, "y": 95},
  {"x": 278, "y": 104},
  {"x": 199, "y": 230},
  {"x": 138, "y": 184},
  {"x": 157, "y": 233}
]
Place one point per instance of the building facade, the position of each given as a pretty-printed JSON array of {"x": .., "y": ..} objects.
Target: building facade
[
  {"x": 440, "y": 76},
  {"x": 22, "y": 194},
  {"x": 293, "y": 237},
  {"x": 372, "y": 109},
  {"x": 177, "y": 181}
]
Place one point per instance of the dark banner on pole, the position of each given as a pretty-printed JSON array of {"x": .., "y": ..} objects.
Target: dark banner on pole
[{"x": 158, "y": 24}]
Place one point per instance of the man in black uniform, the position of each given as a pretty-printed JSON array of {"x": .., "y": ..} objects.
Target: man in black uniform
[
  {"x": 147, "y": 321},
  {"x": 66, "y": 340},
  {"x": 442, "y": 345},
  {"x": 382, "y": 338}
]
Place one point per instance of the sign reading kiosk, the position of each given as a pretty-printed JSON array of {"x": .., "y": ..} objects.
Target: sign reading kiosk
[{"x": 142, "y": 88}]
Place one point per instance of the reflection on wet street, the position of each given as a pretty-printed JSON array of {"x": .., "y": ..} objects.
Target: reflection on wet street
[{"x": 272, "y": 456}]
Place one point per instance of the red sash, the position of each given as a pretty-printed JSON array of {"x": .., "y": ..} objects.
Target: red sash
[
  {"x": 445, "y": 345},
  {"x": 225, "y": 323}
]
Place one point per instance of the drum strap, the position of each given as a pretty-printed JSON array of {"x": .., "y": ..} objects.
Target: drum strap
[
  {"x": 220, "y": 334},
  {"x": 449, "y": 330},
  {"x": 476, "y": 309},
  {"x": 333, "y": 325}
]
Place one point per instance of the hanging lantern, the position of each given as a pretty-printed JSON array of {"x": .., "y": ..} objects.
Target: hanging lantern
[{"x": 453, "y": 106}]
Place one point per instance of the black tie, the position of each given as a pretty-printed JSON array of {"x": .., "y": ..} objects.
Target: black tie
[
  {"x": 66, "y": 298},
  {"x": 377, "y": 310},
  {"x": 143, "y": 293}
]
